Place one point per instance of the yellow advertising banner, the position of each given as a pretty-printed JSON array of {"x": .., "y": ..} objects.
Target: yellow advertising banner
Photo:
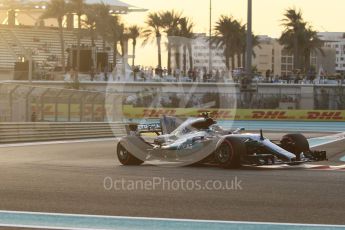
[
  {"x": 222, "y": 114},
  {"x": 237, "y": 114}
]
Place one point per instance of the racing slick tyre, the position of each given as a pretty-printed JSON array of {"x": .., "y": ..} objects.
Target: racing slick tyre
[
  {"x": 125, "y": 157},
  {"x": 295, "y": 143},
  {"x": 229, "y": 152}
]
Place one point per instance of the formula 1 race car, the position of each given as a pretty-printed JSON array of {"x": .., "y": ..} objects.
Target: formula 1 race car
[{"x": 201, "y": 140}]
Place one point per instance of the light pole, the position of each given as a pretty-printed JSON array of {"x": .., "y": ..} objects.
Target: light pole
[
  {"x": 210, "y": 42},
  {"x": 249, "y": 50},
  {"x": 246, "y": 81}
]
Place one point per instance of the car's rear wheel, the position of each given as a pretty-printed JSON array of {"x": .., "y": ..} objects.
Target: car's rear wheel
[
  {"x": 295, "y": 143},
  {"x": 228, "y": 154},
  {"x": 125, "y": 157}
]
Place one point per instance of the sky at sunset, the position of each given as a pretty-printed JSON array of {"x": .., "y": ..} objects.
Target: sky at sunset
[
  {"x": 323, "y": 15},
  {"x": 267, "y": 15}
]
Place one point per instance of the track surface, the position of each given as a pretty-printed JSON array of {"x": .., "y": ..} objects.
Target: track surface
[{"x": 68, "y": 178}]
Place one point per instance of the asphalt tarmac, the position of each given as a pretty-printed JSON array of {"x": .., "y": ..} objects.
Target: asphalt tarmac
[{"x": 80, "y": 178}]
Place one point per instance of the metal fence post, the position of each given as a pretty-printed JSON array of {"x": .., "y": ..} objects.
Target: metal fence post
[
  {"x": 56, "y": 105},
  {"x": 42, "y": 103},
  {"x": 11, "y": 101},
  {"x": 93, "y": 107},
  {"x": 104, "y": 108},
  {"x": 27, "y": 111},
  {"x": 69, "y": 106},
  {"x": 81, "y": 108}
]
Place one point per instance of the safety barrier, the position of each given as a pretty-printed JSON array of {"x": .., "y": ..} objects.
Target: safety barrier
[
  {"x": 47, "y": 131},
  {"x": 238, "y": 114}
]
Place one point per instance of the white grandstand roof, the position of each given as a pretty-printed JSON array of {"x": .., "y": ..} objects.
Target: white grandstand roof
[
  {"x": 109, "y": 2},
  {"x": 25, "y": 4},
  {"x": 116, "y": 4},
  {"x": 21, "y": 3}
]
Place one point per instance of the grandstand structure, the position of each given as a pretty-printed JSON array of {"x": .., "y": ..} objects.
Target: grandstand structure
[
  {"x": 43, "y": 42},
  {"x": 12, "y": 11},
  {"x": 21, "y": 33}
]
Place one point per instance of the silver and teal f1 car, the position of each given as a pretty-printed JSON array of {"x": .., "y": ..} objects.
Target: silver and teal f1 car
[{"x": 201, "y": 140}]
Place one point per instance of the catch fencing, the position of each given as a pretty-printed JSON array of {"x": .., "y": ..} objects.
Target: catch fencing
[{"x": 25, "y": 103}]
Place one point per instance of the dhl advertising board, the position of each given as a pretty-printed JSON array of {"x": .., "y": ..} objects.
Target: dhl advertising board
[
  {"x": 238, "y": 114},
  {"x": 48, "y": 111},
  {"x": 131, "y": 112}
]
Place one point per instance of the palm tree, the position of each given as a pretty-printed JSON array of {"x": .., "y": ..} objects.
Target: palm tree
[
  {"x": 96, "y": 21},
  {"x": 116, "y": 29},
  {"x": 90, "y": 21},
  {"x": 119, "y": 36},
  {"x": 294, "y": 29},
  {"x": 228, "y": 36},
  {"x": 300, "y": 39},
  {"x": 171, "y": 20},
  {"x": 77, "y": 6},
  {"x": 186, "y": 32},
  {"x": 153, "y": 31},
  {"x": 104, "y": 21},
  {"x": 57, "y": 9},
  {"x": 123, "y": 40},
  {"x": 134, "y": 33},
  {"x": 242, "y": 48},
  {"x": 311, "y": 42}
]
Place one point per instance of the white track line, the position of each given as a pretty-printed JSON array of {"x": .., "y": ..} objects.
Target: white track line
[
  {"x": 164, "y": 219},
  {"x": 334, "y": 138},
  {"x": 46, "y": 227},
  {"x": 57, "y": 142}
]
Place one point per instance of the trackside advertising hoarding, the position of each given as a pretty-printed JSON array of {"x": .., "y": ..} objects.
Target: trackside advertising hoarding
[
  {"x": 237, "y": 114},
  {"x": 131, "y": 112}
]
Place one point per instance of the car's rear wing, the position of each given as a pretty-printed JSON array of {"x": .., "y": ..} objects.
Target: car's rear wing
[
  {"x": 166, "y": 125},
  {"x": 137, "y": 129}
]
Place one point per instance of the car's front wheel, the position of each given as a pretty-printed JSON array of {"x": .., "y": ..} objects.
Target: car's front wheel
[
  {"x": 125, "y": 157},
  {"x": 228, "y": 154},
  {"x": 295, "y": 143}
]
